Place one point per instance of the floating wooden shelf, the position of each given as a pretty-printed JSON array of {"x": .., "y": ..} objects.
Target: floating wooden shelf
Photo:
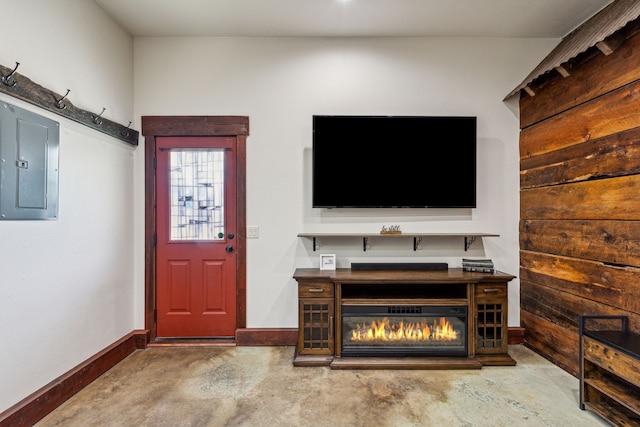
[{"x": 469, "y": 238}]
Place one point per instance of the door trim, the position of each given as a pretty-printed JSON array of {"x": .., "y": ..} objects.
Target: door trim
[{"x": 172, "y": 126}]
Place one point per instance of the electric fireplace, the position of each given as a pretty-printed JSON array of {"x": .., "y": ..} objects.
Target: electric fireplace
[
  {"x": 404, "y": 330},
  {"x": 395, "y": 320}
]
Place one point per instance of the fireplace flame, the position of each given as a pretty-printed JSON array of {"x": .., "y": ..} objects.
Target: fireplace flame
[{"x": 383, "y": 330}]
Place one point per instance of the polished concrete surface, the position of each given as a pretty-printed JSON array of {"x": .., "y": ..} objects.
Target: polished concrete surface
[{"x": 258, "y": 386}]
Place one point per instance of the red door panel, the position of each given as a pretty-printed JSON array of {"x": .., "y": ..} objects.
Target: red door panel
[
  {"x": 178, "y": 289},
  {"x": 196, "y": 220}
]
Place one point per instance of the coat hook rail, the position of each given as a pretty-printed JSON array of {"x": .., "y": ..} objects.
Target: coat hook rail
[
  {"x": 7, "y": 79},
  {"x": 59, "y": 103},
  {"x": 125, "y": 132},
  {"x": 97, "y": 119},
  {"x": 21, "y": 87}
]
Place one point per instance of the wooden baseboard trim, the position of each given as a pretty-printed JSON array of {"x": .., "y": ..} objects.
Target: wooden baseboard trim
[
  {"x": 516, "y": 335},
  {"x": 266, "y": 336},
  {"x": 36, "y": 406}
]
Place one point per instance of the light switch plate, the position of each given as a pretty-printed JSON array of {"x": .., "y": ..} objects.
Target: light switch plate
[{"x": 253, "y": 232}]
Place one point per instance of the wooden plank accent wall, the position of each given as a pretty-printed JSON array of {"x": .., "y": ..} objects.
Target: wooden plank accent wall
[{"x": 580, "y": 198}]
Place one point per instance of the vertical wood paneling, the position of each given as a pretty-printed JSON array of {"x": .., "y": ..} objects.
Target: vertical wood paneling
[{"x": 579, "y": 199}]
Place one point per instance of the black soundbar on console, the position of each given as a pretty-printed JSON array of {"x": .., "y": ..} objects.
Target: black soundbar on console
[{"x": 399, "y": 266}]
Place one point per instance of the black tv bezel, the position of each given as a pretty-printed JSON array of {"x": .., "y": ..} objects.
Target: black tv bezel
[{"x": 471, "y": 150}]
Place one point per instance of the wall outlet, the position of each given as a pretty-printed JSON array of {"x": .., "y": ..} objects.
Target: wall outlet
[{"x": 253, "y": 232}]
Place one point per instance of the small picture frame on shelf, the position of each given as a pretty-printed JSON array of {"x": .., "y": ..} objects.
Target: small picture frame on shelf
[{"x": 327, "y": 262}]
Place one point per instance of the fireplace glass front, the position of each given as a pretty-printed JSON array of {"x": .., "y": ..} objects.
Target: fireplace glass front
[{"x": 403, "y": 330}]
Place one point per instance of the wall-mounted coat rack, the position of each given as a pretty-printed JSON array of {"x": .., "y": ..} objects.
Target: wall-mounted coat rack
[{"x": 19, "y": 86}]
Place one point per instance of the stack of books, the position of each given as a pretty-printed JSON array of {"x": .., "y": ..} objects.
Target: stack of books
[{"x": 479, "y": 265}]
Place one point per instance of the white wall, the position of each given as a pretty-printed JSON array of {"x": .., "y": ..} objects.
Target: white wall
[
  {"x": 66, "y": 286},
  {"x": 70, "y": 287},
  {"x": 281, "y": 83}
]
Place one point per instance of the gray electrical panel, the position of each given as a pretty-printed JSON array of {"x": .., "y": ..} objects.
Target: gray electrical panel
[{"x": 29, "y": 150}]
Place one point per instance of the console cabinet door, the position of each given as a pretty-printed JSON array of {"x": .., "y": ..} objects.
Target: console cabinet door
[
  {"x": 491, "y": 318},
  {"x": 316, "y": 308}
]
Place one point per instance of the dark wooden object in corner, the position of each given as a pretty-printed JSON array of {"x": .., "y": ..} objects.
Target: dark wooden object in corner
[{"x": 610, "y": 369}]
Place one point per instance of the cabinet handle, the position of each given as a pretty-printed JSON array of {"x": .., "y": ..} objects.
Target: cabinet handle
[
  {"x": 493, "y": 290},
  {"x": 316, "y": 290}
]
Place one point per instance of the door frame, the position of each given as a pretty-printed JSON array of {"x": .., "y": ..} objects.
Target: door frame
[{"x": 173, "y": 126}]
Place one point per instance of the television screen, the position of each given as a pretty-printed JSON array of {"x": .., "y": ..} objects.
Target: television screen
[{"x": 394, "y": 162}]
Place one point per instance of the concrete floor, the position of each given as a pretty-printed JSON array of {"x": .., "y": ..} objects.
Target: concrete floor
[{"x": 258, "y": 386}]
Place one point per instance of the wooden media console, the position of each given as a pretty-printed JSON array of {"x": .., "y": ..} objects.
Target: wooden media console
[{"x": 402, "y": 319}]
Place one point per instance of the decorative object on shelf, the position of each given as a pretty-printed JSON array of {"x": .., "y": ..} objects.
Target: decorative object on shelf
[
  {"x": 478, "y": 265},
  {"x": 327, "y": 262},
  {"x": 393, "y": 229}
]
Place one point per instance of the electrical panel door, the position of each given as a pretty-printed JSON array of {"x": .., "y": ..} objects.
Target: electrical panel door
[{"x": 29, "y": 146}]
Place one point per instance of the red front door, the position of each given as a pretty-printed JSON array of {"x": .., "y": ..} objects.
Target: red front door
[{"x": 196, "y": 235}]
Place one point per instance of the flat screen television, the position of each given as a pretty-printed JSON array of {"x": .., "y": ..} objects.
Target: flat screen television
[{"x": 394, "y": 162}]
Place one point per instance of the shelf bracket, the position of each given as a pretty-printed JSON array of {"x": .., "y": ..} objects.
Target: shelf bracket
[
  {"x": 364, "y": 244},
  {"x": 416, "y": 243},
  {"x": 314, "y": 244},
  {"x": 468, "y": 241}
]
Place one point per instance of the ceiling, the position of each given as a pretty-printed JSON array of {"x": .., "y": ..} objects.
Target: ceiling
[{"x": 351, "y": 18}]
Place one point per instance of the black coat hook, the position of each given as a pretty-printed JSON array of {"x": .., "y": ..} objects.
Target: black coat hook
[
  {"x": 96, "y": 119},
  {"x": 125, "y": 132},
  {"x": 59, "y": 103},
  {"x": 7, "y": 79}
]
